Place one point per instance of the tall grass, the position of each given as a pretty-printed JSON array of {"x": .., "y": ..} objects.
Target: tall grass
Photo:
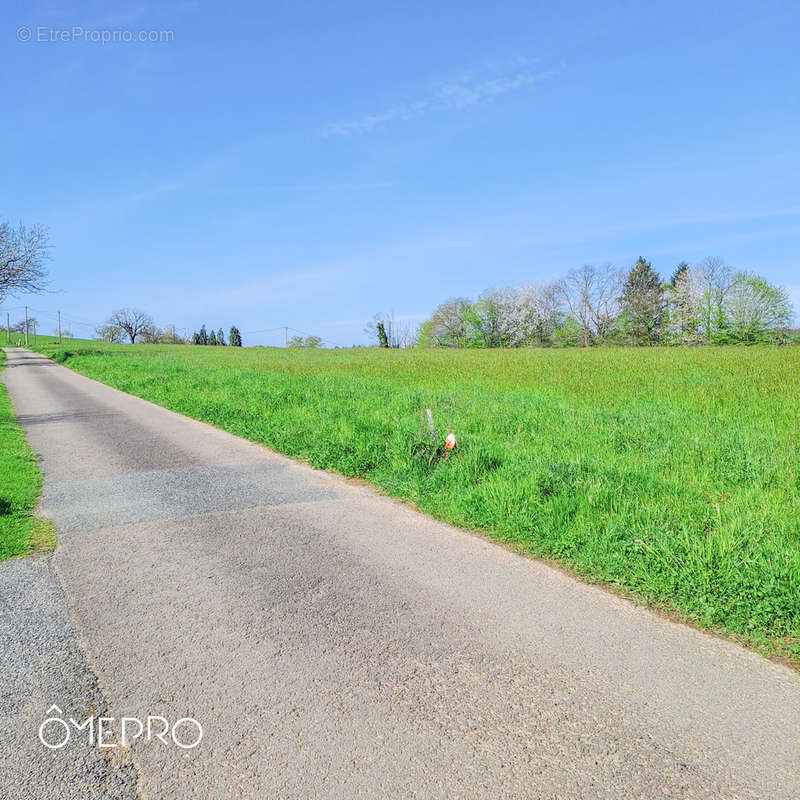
[
  {"x": 20, "y": 481},
  {"x": 670, "y": 473}
]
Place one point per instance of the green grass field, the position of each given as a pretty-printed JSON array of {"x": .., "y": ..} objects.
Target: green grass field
[
  {"x": 39, "y": 341},
  {"x": 20, "y": 482},
  {"x": 672, "y": 474}
]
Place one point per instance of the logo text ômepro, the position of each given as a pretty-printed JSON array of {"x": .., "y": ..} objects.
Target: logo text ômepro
[{"x": 56, "y": 731}]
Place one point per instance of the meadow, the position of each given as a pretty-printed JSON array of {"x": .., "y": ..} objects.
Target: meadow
[{"x": 671, "y": 474}]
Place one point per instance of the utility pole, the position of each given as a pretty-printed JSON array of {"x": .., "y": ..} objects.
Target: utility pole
[
  {"x": 34, "y": 334},
  {"x": 26, "y": 326},
  {"x": 8, "y": 328},
  {"x": 285, "y": 336},
  {"x": 59, "y": 327}
]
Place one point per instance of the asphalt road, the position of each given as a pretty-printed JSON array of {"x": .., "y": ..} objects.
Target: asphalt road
[{"x": 334, "y": 643}]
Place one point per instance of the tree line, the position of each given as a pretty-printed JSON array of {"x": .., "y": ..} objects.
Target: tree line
[
  {"x": 706, "y": 303},
  {"x": 134, "y": 325},
  {"x": 217, "y": 339}
]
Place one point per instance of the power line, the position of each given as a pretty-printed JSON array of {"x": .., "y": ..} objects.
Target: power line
[{"x": 327, "y": 341}]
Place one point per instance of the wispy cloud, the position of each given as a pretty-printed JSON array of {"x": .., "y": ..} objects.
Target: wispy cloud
[{"x": 467, "y": 92}]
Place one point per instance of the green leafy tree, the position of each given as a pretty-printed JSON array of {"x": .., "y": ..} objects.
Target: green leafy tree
[
  {"x": 202, "y": 336},
  {"x": 715, "y": 278},
  {"x": 234, "y": 337},
  {"x": 383, "y": 330},
  {"x": 220, "y": 338},
  {"x": 447, "y": 326},
  {"x": 212, "y": 338},
  {"x": 380, "y": 329},
  {"x": 492, "y": 320},
  {"x": 424, "y": 337},
  {"x": 568, "y": 333},
  {"x": 312, "y": 341},
  {"x": 756, "y": 311},
  {"x": 296, "y": 341},
  {"x": 642, "y": 303}
]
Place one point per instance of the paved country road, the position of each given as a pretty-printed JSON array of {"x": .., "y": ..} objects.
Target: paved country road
[{"x": 334, "y": 643}]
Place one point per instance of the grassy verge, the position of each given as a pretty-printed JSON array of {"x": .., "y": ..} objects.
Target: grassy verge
[
  {"x": 40, "y": 341},
  {"x": 671, "y": 474},
  {"x": 20, "y": 482}
]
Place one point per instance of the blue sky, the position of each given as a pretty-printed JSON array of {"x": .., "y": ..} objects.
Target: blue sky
[{"x": 310, "y": 164}]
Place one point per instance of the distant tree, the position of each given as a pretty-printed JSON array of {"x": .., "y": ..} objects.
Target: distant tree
[
  {"x": 405, "y": 333},
  {"x": 170, "y": 336},
  {"x": 131, "y": 321},
  {"x": 23, "y": 253},
  {"x": 538, "y": 314},
  {"x": 296, "y": 341},
  {"x": 202, "y": 335},
  {"x": 312, "y": 341},
  {"x": 19, "y": 327},
  {"x": 424, "y": 335},
  {"x": 212, "y": 338},
  {"x": 387, "y": 331},
  {"x": 756, "y": 311},
  {"x": 234, "y": 337},
  {"x": 110, "y": 333},
  {"x": 683, "y": 297},
  {"x": 492, "y": 320},
  {"x": 151, "y": 334},
  {"x": 642, "y": 304},
  {"x": 568, "y": 333},
  {"x": 447, "y": 326},
  {"x": 590, "y": 296},
  {"x": 715, "y": 278},
  {"x": 220, "y": 338},
  {"x": 680, "y": 271},
  {"x": 380, "y": 331}
]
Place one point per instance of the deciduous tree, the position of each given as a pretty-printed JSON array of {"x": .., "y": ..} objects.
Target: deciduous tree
[
  {"x": 538, "y": 314},
  {"x": 493, "y": 320},
  {"x": 716, "y": 277},
  {"x": 590, "y": 296},
  {"x": 23, "y": 253},
  {"x": 131, "y": 321},
  {"x": 448, "y": 324},
  {"x": 756, "y": 310},
  {"x": 110, "y": 333}
]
